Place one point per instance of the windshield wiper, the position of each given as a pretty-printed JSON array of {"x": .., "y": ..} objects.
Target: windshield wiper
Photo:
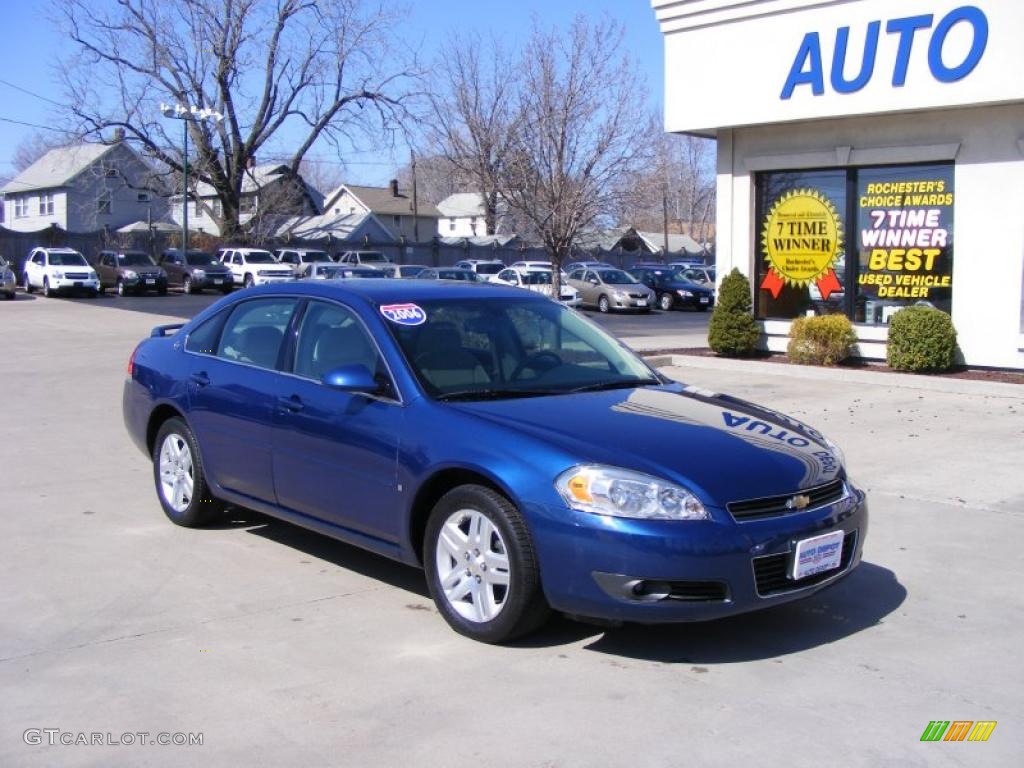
[
  {"x": 627, "y": 384},
  {"x": 496, "y": 394}
]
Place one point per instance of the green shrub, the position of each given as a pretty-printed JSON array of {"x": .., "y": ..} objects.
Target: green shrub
[
  {"x": 824, "y": 340},
  {"x": 921, "y": 339},
  {"x": 733, "y": 331}
]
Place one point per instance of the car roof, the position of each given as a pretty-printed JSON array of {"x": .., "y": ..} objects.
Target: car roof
[
  {"x": 56, "y": 249},
  {"x": 389, "y": 291}
]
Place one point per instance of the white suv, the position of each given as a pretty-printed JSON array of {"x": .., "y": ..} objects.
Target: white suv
[
  {"x": 254, "y": 266},
  {"x": 59, "y": 270},
  {"x": 363, "y": 259},
  {"x": 538, "y": 280},
  {"x": 486, "y": 268}
]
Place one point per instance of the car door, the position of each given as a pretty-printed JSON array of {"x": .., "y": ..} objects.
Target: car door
[
  {"x": 34, "y": 269},
  {"x": 172, "y": 265},
  {"x": 232, "y": 391},
  {"x": 335, "y": 453}
]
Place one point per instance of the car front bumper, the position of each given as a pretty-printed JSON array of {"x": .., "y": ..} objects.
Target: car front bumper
[
  {"x": 668, "y": 571},
  {"x": 267, "y": 279},
  {"x": 632, "y": 303},
  {"x": 218, "y": 281},
  {"x": 70, "y": 284},
  {"x": 145, "y": 283}
]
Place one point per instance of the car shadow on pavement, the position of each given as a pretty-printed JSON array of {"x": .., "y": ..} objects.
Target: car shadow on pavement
[
  {"x": 174, "y": 304},
  {"x": 329, "y": 550},
  {"x": 859, "y": 602}
]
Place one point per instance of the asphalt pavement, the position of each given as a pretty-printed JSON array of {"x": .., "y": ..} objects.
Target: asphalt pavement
[{"x": 281, "y": 647}]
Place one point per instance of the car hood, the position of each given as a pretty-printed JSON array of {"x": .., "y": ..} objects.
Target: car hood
[
  {"x": 722, "y": 448},
  {"x": 628, "y": 287}
]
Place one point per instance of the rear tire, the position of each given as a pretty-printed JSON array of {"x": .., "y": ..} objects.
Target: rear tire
[
  {"x": 121, "y": 290},
  {"x": 248, "y": 282},
  {"x": 481, "y": 566},
  {"x": 180, "y": 480},
  {"x": 187, "y": 286}
]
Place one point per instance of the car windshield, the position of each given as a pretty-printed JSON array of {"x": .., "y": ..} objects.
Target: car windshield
[
  {"x": 199, "y": 259},
  {"x": 371, "y": 256},
  {"x": 365, "y": 273},
  {"x": 410, "y": 271},
  {"x": 456, "y": 274},
  {"x": 489, "y": 269},
  {"x": 314, "y": 256},
  {"x": 134, "y": 260},
  {"x": 505, "y": 347},
  {"x": 615, "y": 277},
  {"x": 329, "y": 271},
  {"x": 259, "y": 257},
  {"x": 68, "y": 260},
  {"x": 536, "y": 278}
]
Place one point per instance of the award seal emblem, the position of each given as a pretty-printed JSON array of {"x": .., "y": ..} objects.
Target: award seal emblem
[{"x": 802, "y": 239}]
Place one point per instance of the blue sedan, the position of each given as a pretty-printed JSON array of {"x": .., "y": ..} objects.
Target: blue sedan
[{"x": 524, "y": 458}]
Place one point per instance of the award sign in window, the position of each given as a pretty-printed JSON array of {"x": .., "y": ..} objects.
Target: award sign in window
[{"x": 901, "y": 235}]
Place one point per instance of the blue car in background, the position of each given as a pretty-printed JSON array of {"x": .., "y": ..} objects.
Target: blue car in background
[{"x": 520, "y": 455}]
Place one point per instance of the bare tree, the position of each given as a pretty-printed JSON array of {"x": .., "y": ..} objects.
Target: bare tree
[
  {"x": 34, "y": 146},
  {"x": 580, "y": 130},
  {"x": 436, "y": 178},
  {"x": 319, "y": 73},
  {"x": 474, "y": 116}
]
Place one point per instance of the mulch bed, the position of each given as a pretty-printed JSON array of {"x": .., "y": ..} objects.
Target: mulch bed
[{"x": 960, "y": 372}]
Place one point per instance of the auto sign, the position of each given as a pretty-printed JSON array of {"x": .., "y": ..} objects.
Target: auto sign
[{"x": 404, "y": 314}]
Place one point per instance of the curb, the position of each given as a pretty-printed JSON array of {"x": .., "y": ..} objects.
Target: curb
[{"x": 883, "y": 378}]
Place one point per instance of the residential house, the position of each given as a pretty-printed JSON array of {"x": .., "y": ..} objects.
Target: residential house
[
  {"x": 463, "y": 215},
  {"x": 83, "y": 188},
  {"x": 391, "y": 205},
  {"x": 349, "y": 230},
  {"x": 267, "y": 190}
]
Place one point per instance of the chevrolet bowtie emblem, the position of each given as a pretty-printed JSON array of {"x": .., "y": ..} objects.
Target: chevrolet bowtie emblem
[{"x": 800, "y": 501}]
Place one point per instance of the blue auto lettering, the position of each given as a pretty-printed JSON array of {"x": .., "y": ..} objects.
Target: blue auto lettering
[
  {"x": 906, "y": 28},
  {"x": 867, "y": 65},
  {"x": 806, "y": 69},
  {"x": 979, "y": 22}
]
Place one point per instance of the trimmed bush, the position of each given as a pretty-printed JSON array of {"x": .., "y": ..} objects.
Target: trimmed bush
[
  {"x": 921, "y": 339},
  {"x": 733, "y": 331},
  {"x": 824, "y": 340}
]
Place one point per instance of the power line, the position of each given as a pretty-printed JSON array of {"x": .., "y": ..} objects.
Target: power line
[
  {"x": 30, "y": 93},
  {"x": 32, "y": 125}
]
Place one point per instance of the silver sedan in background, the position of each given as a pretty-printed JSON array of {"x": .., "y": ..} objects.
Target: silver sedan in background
[{"x": 608, "y": 289}]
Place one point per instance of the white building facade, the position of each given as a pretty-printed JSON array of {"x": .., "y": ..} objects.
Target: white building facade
[{"x": 870, "y": 157}]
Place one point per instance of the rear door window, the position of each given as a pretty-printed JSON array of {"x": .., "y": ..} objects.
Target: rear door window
[{"x": 255, "y": 331}]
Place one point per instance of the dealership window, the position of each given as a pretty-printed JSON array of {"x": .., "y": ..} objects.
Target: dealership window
[
  {"x": 895, "y": 222},
  {"x": 46, "y": 204}
]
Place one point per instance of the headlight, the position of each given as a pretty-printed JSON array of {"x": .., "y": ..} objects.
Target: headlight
[
  {"x": 199, "y": 274},
  {"x": 621, "y": 295},
  {"x": 92, "y": 275},
  {"x": 130, "y": 274},
  {"x": 836, "y": 450},
  {"x": 685, "y": 294},
  {"x": 605, "y": 490},
  {"x": 58, "y": 274}
]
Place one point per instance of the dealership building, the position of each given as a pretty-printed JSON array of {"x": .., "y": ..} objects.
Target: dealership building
[{"x": 870, "y": 157}]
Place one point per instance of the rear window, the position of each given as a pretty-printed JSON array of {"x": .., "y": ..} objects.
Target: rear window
[
  {"x": 199, "y": 259},
  {"x": 314, "y": 256}
]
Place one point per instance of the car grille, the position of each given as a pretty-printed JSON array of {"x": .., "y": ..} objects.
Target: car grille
[
  {"x": 697, "y": 591},
  {"x": 76, "y": 275},
  {"x": 770, "y": 572},
  {"x": 772, "y": 506},
  {"x": 638, "y": 295}
]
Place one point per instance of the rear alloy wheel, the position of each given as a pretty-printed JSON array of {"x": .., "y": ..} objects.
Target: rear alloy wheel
[
  {"x": 665, "y": 301},
  {"x": 180, "y": 482},
  {"x": 481, "y": 566},
  {"x": 603, "y": 305}
]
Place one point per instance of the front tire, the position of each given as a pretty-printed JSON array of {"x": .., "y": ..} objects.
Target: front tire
[
  {"x": 481, "y": 566},
  {"x": 248, "y": 282},
  {"x": 121, "y": 289},
  {"x": 29, "y": 288},
  {"x": 187, "y": 286},
  {"x": 602, "y": 305},
  {"x": 46, "y": 288},
  {"x": 180, "y": 481},
  {"x": 665, "y": 301}
]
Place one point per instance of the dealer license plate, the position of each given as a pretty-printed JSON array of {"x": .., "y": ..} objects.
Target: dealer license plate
[
  {"x": 704, "y": 299},
  {"x": 817, "y": 555},
  {"x": 150, "y": 281},
  {"x": 217, "y": 281},
  {"x": 641, "y": 302}
]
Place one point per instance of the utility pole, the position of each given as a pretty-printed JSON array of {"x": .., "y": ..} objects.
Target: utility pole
[{"x": 415, "y": 200}]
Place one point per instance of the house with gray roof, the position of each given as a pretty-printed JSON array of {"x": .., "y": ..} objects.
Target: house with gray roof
[
  {"x": 391, "y": 205},
  {"x": 462, "y": 215},
  {"x": 270, "y": 190},
  {"x": 83, "y": 188}
]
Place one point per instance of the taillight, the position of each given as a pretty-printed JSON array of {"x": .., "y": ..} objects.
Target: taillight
[{"x": 131, "y": 360}]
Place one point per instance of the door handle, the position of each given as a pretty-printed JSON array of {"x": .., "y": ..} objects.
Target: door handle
[
  {"x": 199, "y": 379},
  {"x": 292, "y": 404}
]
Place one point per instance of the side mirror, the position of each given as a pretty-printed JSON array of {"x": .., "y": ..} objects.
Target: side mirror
[{"x": 351, "y": 378}]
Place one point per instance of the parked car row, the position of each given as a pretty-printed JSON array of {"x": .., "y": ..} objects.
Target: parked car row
[{"x": 585, "y": 283}]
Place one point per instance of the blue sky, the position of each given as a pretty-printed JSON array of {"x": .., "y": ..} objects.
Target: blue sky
[{"x": 32, "y": 45}]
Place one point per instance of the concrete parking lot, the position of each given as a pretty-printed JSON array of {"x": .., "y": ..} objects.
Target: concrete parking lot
[{"x": 281, "y": 647}]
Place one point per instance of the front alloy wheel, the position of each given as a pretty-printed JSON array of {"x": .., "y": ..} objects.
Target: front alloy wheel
[
  {"x": 178, "y": 472},
  {"x": 46, "y": 288},
  {"x": 187, "y": 286},
  {"x": 603, "y": 305},
  {"x": 665, "y": 302},
  {"x": 481, "y": 566}
]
